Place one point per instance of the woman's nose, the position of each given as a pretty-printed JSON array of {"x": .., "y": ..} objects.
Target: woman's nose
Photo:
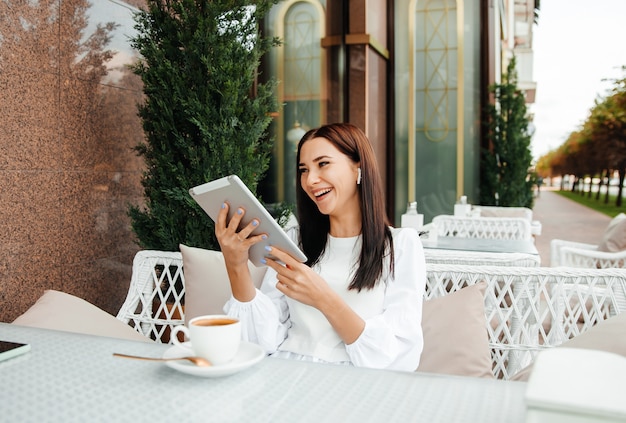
[{"x": 311, "y": 177}]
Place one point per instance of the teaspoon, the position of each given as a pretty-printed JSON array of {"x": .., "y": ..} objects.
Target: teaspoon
[{"x": 198, "y": 361}]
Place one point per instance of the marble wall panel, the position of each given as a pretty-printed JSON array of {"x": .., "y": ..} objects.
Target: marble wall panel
[
  {"x": 30, "y": 223},
  {"x": 30, "y": 36},
  {"x": 30, "y": 228},
  {"x": 94, "y": 213},
  {"x": 103, "y": 12},
  {"x": 29, "y": 122},
  {"x": 68, "y": 171}
]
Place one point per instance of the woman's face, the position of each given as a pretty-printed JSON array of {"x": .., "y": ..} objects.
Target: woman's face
[{"x": 328, "y": 177}]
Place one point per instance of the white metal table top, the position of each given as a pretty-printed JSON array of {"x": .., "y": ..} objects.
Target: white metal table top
[{"x": 71, "y": 377}]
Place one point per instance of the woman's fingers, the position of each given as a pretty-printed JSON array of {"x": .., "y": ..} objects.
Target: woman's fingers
[
  {"x": 248, "y": 229},
  {"x": 236, "y": 219},
  {"x": 234, "y": 223},
  {"x": 221, "y": 218},
  {"x": 280, "y": 255}
]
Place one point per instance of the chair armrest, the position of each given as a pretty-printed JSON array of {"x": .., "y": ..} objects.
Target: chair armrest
[
  {"x": 557, "y": 244},
  {"x": 535, "y": 227},
  {"x": 580, "y": 257}
]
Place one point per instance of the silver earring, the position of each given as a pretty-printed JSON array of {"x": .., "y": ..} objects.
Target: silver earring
[{"x": 358, "y": 178}]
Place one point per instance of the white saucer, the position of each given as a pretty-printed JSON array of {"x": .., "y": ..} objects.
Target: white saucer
[{"x": 248, "y": 355}]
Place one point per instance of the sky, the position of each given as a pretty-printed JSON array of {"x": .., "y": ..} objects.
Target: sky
[{"x": 576, "y": 44}]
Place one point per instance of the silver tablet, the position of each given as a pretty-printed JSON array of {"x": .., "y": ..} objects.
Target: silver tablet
[{"x": 231, "y": 190}]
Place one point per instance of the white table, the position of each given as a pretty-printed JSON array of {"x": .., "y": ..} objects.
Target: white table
[{"x": 74, "y": 378}]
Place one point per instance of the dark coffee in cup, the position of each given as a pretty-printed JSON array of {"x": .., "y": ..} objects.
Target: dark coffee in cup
[{"x": 214, "y": 322}]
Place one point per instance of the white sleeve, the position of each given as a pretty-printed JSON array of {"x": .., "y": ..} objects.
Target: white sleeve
[
  {"x": 394, "y": 339},
  {"x": 264, "y": 319}
]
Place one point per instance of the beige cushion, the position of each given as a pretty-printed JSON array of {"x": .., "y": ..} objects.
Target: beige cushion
[
  {"x": 614, "y": 238},
  {"x": 60, "y": 311},
  {"x": 495, "y": 211},
  {"x": 207, "y": 287},
  {"x": 608, "y": 335},
  {"x": 455, "y": 334}
]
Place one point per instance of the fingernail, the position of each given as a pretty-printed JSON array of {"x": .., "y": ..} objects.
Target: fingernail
[
  {"x": 264, "y": 236},
  {"x": 255, "y": 223},
  {"x": 268, "y": 248},
  {"x": 263, "y": 261},
  {"x": 223, "y": 205},
  {"x": 239, "y": 211}
]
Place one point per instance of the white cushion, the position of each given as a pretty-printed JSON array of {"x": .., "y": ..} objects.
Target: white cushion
[
  {"x": 207, "y": 287},
  {"x": 456, "y": 340},
  {"x": 576, "y": 385},
  {"x": 60, "y": 311}
]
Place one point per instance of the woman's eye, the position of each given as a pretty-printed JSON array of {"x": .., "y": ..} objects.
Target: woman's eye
[
  {"x": 322, "y": 164},
  {"x": 301, "y": 170}
]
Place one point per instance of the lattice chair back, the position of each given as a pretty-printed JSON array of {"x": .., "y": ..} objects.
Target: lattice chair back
[
  {"x": 155, "y": 299},
  {"x": 579, "y": 254},
  {"x": 480, "y": 258},
  {"x": 513, "y": 228},
  {"x": 531, "y": 308}
]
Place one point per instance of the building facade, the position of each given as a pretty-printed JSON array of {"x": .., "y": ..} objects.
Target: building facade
[{"x": 412, "y": 74}]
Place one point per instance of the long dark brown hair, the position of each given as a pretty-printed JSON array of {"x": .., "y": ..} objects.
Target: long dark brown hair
[{"x": 375, "y": 233}]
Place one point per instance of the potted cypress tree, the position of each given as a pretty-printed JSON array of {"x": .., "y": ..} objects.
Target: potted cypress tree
[
  {"x": 205, "y": 114},
  {"x": 504, "y": 176}
]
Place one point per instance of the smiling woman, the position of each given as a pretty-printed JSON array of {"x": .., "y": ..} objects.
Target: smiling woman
[{"x": 358, "y": 298}]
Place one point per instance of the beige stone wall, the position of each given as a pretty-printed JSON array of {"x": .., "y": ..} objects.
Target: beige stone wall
[{"x": 68, "y": 125}]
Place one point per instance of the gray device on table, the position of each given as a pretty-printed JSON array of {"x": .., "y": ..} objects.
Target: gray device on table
[
  {"x": 231, "y": 190},
  {"x": 12, "y": 349}
]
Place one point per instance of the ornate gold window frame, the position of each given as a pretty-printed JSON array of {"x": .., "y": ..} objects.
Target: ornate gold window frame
[{"x": 460, "y": 142}]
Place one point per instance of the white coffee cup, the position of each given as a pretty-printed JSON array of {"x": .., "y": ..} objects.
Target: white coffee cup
[{"x": 215, "y": 337}]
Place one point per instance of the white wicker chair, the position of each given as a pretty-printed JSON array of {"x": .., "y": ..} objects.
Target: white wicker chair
[
  {"x": 515, "y": 228},
  {"x": 528, "y": 309},
  {"x": 154, "y": 303},
  {"x": 578, "y": 254},
  {"x": 479, "y": 258},
  {"x": 499, "y": 211}
]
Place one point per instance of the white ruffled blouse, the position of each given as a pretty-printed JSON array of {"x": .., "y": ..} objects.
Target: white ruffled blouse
[{"x": 392, "y": 311}]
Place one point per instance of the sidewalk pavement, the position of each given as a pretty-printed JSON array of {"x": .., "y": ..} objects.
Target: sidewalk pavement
[{"x": 562, "y": 218}]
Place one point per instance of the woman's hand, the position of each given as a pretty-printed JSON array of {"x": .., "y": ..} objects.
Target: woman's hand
[
  {"x": 235, "y": 245},
  {"x": 299, "y": 282}
]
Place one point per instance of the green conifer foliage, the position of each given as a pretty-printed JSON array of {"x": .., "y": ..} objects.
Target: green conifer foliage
[
  {"x": 504, "y": 175},
  {"x": 205, "y": 115}
]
